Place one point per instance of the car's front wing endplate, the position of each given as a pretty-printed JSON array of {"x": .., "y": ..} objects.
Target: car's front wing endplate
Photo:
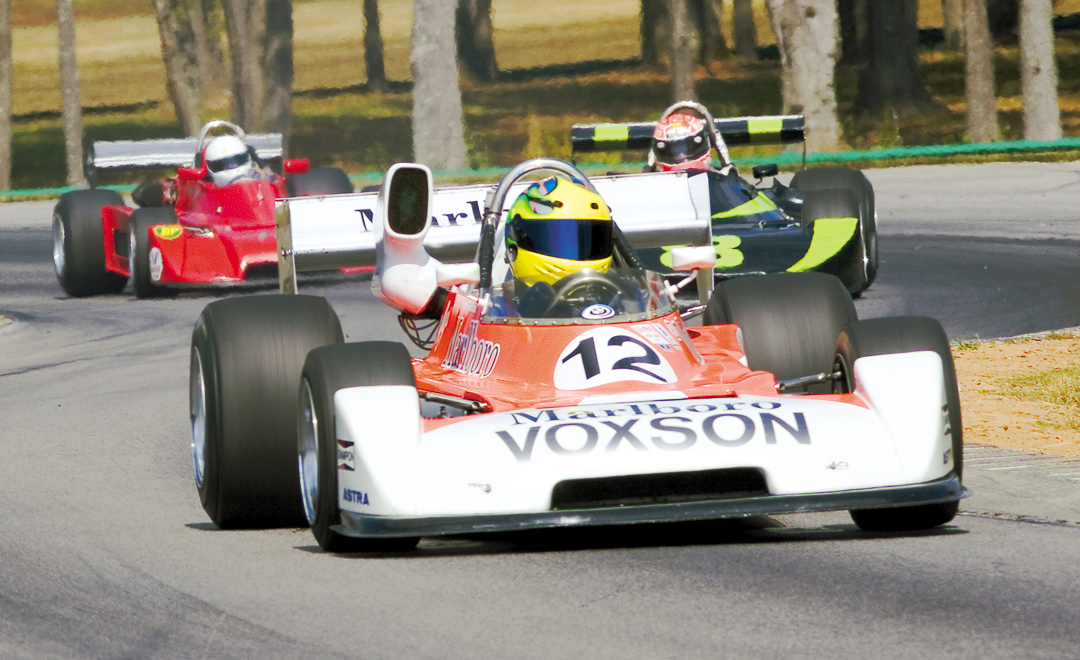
[{"x": 947, "y": 489}]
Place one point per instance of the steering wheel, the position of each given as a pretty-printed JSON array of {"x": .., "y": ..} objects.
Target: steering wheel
[{"x": 587, "y": 287}]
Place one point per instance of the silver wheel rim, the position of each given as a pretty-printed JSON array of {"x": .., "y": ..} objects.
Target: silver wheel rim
[
  {"x": 58, "y": 235},
  {"x": 198, "y": 418},
  {"x": 132, "y": 244},
  {"x": 308, "y": 449}
]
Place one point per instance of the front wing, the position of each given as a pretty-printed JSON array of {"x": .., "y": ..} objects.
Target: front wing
[{"x": 651, "y": 457}]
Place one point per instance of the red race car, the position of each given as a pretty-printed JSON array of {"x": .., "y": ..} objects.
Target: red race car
[{"x": 213, "y": 223}]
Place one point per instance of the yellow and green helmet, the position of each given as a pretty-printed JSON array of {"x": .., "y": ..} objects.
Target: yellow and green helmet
[{"x": 558, "y": 227}]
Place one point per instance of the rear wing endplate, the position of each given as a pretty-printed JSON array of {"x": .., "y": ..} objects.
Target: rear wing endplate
[
  {"x": 335, "y": 231},
  {"x": 165, "y": 153},
  {"x": 736, "y": 132}
]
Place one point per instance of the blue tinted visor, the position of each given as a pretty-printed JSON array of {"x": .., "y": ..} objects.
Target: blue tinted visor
[{"x": 579, "y": 240}]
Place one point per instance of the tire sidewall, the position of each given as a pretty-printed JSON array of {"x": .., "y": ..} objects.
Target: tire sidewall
[
  {"x": 251, "y": 352},
  {"x": 860, "y": 186},
  {"x": 141, "y": 222},
  {"x": 79, "y": 214},
  {"x": 327, "y": 370}
]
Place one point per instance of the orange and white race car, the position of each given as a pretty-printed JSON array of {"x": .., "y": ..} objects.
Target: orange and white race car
[{"x": 598, "y": 406}]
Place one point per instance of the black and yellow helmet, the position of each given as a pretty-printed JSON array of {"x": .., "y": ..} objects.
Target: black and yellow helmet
[{"x": 558, "y": 227}]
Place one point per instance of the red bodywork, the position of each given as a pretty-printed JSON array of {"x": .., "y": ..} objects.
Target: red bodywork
[
  {"x": 219, "y": 233},
  {"x": 507, "y": 367}
]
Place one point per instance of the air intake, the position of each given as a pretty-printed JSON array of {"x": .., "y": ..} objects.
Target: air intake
[{"x": 725, "y": 484}]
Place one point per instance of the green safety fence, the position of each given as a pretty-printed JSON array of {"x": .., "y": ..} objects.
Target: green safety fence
[{"x": 784, "y": 158}]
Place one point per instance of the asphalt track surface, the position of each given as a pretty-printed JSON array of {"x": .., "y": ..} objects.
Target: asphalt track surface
[{"x": 105, "y": 551}]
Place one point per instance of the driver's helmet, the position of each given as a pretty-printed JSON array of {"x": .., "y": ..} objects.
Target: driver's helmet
[
  {"x": 558, "y": 227},
  {"x": 681, "y": 142},
  {"x": 228, "y": 159}
]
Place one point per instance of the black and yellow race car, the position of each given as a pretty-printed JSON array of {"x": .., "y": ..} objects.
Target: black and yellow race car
[{"x": 824, "y": 220}]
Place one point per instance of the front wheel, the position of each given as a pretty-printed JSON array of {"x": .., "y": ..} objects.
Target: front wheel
[
  {"x": 789, "y": 322},
  {"x": 327, "y": 370},
  {"x": 855, "y": 181},
  {"x": 889, "y": 336},
  {"x": 142, "y": 259},
  {"x": 79, "y": 243},
  {"x": 246, "y": 358}
]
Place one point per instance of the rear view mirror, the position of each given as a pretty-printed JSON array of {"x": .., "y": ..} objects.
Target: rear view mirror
[
  {"x": 693, "y": 257},
  {"x": 407, "y": 200},
  {"x": 190, "y": 173},
  {"x": 767, "y": 170},
  {"x": 297, "y": 166},
  {"x": 449, "y": 275}
]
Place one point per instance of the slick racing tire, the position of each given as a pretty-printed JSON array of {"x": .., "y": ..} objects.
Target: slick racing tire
[
  {"x": 856, "y": 182},
  {"x": 327, "y": 370},
  {"x": 320, "y": 181},
  {"x": 889, "y": 336},
  {"x": 246, "y": 357},
  {"x": 788, "y": 322},
  {"x": 139, "y": 249},
  {"x": 79, "y": 243},
  {"x": 847, "y": 262}
]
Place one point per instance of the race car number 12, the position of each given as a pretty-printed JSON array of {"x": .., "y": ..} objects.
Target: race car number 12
[{"x": 605, "y": 355}]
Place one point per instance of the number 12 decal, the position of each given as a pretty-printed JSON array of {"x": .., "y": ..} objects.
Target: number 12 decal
[{"x": 608, "y": 355}]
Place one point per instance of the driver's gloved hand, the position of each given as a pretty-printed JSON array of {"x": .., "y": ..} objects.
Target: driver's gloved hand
[{"x": 536, "y": 300}]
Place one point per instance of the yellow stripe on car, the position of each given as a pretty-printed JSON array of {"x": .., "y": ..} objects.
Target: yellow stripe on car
[
  {"x": 765, "y": 129},
  {"x": 830, "y": 235},
  {"x": 609, "y": 133},
  {"x": 759, "y": 204}
]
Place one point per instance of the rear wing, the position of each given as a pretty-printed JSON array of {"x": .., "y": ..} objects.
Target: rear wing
[
  {"x": 165, "y": 153},
  {"x": 335, "y": 231},
  {"x": 736, "y": 132}
]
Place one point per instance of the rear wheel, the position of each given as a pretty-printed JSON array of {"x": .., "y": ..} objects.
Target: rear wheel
[
  {"x": 246, "y": 358},
  {"x": 320, "y": 181},
  {"x": 906, "y": 334},
  {"x": 141, "y": 261},
  {"x": 789, "y": 322},
  {"x": 79, "y": 243},
  {"x": 326, "y": 371},
  {"x": 860, "y": 186}
]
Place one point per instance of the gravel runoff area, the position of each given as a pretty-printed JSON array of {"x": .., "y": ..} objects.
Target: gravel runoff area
[{"x": 991, "y": 418}]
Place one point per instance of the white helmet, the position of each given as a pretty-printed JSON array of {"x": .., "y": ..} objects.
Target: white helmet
[{"x": 228, "y": 159}]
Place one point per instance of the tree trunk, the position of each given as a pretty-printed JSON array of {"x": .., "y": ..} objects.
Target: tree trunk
[
  {"x": 809, "y": 32},
  {"x": 744, "y": 30},
  {"x": 775, "y": 9},
  {"x": 1038, "y": 71},
  {"x": 373, "y": 48},
  {"x": 890, "y": 77},
  {"x": 682, "y": 53},
  {"x": 207, "y": 49},
  {"x": 653, "y": 16},
  {"x": 245, "y": 22},
  {"x": 6, "y": 79},
  {"x": 181, "y": 65},
  {"x": 981, "y": 117},
  {"x": 704, "y": 17},
  {"x": 953, "y": 28},
  {"x": 69, "y": 88},
  {"x": 475, "y": 43},
  {"x": 277, "y": 69},
  {"x": 260, "y": 48},
  {"x": 437, "y": 121}
]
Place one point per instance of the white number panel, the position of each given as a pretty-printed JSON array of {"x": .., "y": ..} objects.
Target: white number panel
[{"x": 608, "y": 355}]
